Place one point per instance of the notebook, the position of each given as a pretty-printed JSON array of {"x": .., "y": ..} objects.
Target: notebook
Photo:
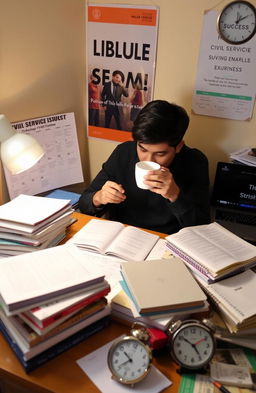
[{"x": 234, "y": 199}]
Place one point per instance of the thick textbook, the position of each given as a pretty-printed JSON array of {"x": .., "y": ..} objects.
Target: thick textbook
[
  {"x": 212, "y": 251},
  {"x": 115, "y": 239},
  {"x": 161, "y": 285},
  {"x": 57, "y": 349},
  {"x": 42, "y": 276}
]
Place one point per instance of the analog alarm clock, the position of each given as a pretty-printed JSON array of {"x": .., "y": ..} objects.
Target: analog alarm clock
[{"x": 192, "y": 344}]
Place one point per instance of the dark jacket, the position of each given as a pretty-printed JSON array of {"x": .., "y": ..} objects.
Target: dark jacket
[{"x": 147, "y": 209}]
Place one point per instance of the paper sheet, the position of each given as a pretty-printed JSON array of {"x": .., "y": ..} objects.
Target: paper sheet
[
  {"x": 61, "y": 164},
  {"x": 95, "y": 366}
]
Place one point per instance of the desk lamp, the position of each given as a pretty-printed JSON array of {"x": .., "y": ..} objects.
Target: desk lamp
[{"x": 18, "y": 151}]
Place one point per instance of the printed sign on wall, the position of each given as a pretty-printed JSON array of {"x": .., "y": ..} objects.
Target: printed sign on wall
[{"x": 121, "y": 52}]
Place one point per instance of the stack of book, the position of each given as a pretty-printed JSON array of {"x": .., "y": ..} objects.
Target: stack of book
[
  {"x": 124, "y": 311},
  {"x": 50, "y": 300},
  {"x": 233, "y": 299},
  {"x": 158, "y": 291},
  {"x": 223, "y": 265},
  {"x": 246, "y": 156},
  {"x": 30, "y": 223},
  {"x": 245, "y": 337}
]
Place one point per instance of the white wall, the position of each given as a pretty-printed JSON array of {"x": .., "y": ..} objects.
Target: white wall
[{"x": 43, "y": 57}]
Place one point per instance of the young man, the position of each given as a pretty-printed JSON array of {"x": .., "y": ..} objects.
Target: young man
[
  {"x": 111, "y": 96},
  {"x": 179, "y": 194}
]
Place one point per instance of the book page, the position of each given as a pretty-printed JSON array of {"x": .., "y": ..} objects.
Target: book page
[
  {"x": 160, "y": 251},
  {"x": 96, "y": 235},
  {"x": 132, "y": 243},
  {"x": 212, "y": 246}
]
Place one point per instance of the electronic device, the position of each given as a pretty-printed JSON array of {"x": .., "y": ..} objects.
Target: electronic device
[{"x": 234, "y": 199}]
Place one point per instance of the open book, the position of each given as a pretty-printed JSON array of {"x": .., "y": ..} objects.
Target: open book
[
  {"x": 115, "y": 239},
  {"x": 212, "y": 251}
]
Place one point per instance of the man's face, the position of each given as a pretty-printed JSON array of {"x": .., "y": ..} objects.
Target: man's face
[
  {"x": 117, "y": 79},
  {"x": 161, "y": 153}
]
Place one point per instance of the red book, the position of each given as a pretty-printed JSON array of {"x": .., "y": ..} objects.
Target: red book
[{"x": 48, "y": 314}]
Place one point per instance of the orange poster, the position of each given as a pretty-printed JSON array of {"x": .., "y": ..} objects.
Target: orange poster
[{"x": 121, "y": 53}]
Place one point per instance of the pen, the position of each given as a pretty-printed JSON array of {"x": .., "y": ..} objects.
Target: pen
[{"x": 220, "y": 387}]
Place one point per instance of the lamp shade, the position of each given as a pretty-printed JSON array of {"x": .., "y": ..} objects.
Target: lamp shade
[{"x": 18, "y": 151}]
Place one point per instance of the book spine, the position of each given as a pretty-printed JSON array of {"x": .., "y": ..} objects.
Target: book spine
[
  {"x": 70, "y": 322},
  {"x": 49, "y": 320},
  {"x": 57, "y": 349}
]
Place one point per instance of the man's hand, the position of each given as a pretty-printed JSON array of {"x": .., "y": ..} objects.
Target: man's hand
[
  {"x": 111, "y": 192},
  {"x": 162, "y": 182}
]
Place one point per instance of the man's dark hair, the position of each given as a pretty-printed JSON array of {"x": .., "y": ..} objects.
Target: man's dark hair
[
  {"x": 160, "y": 121},
  {"x": 117, "y": 72}
]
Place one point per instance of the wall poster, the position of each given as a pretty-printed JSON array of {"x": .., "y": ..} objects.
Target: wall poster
[
  {"x": 121, "y": 53},
  {"x": 61, "y": 164},
  {"x": 226, "y": 75}
]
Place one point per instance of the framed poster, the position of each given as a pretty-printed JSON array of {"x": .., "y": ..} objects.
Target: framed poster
[
  {"x": 225, "y": 83},
  {"x": 121, "y": 53}
]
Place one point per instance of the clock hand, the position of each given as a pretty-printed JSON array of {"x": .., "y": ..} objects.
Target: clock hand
[
  {"x": 122, "y": 364},
  {"x": 129, "y": 358},
  {"x": 126, "y": 361},
  {"x": 243, "y": 17},
  {"x": 198, "y": 342},
  {"x": 238, "y": 16},
  {"x": 187, "y": 341},
  {"x": 192, "y": 345}
]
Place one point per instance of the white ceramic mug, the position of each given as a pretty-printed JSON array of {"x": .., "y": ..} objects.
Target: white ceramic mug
[{"x": 141, "y": 169}]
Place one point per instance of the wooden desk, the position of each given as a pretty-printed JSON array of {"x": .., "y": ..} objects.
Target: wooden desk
[{"x": 62, "y": 374}]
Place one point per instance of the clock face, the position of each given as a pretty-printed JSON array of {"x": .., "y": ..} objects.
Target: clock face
[
  {"x": 237, "y": 22},
  {"x": 193, "y": 346},
  {"x": 129, "y": 360}
]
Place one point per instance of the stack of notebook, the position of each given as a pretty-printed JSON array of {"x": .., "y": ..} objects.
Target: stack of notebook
[
  {"x": 31, "y": 223},
  {"x": 50, "y": 300},
  {"x": 234, "y": 299},
  {"x": 159, "y": 290}
]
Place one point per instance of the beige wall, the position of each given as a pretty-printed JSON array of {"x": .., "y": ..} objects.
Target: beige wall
[{"x": 42, "y": 72}]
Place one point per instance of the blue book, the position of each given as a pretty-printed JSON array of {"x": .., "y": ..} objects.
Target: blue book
[
  {"x": 62, "y": 194},
  {"x": 55, "y": 350}
]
